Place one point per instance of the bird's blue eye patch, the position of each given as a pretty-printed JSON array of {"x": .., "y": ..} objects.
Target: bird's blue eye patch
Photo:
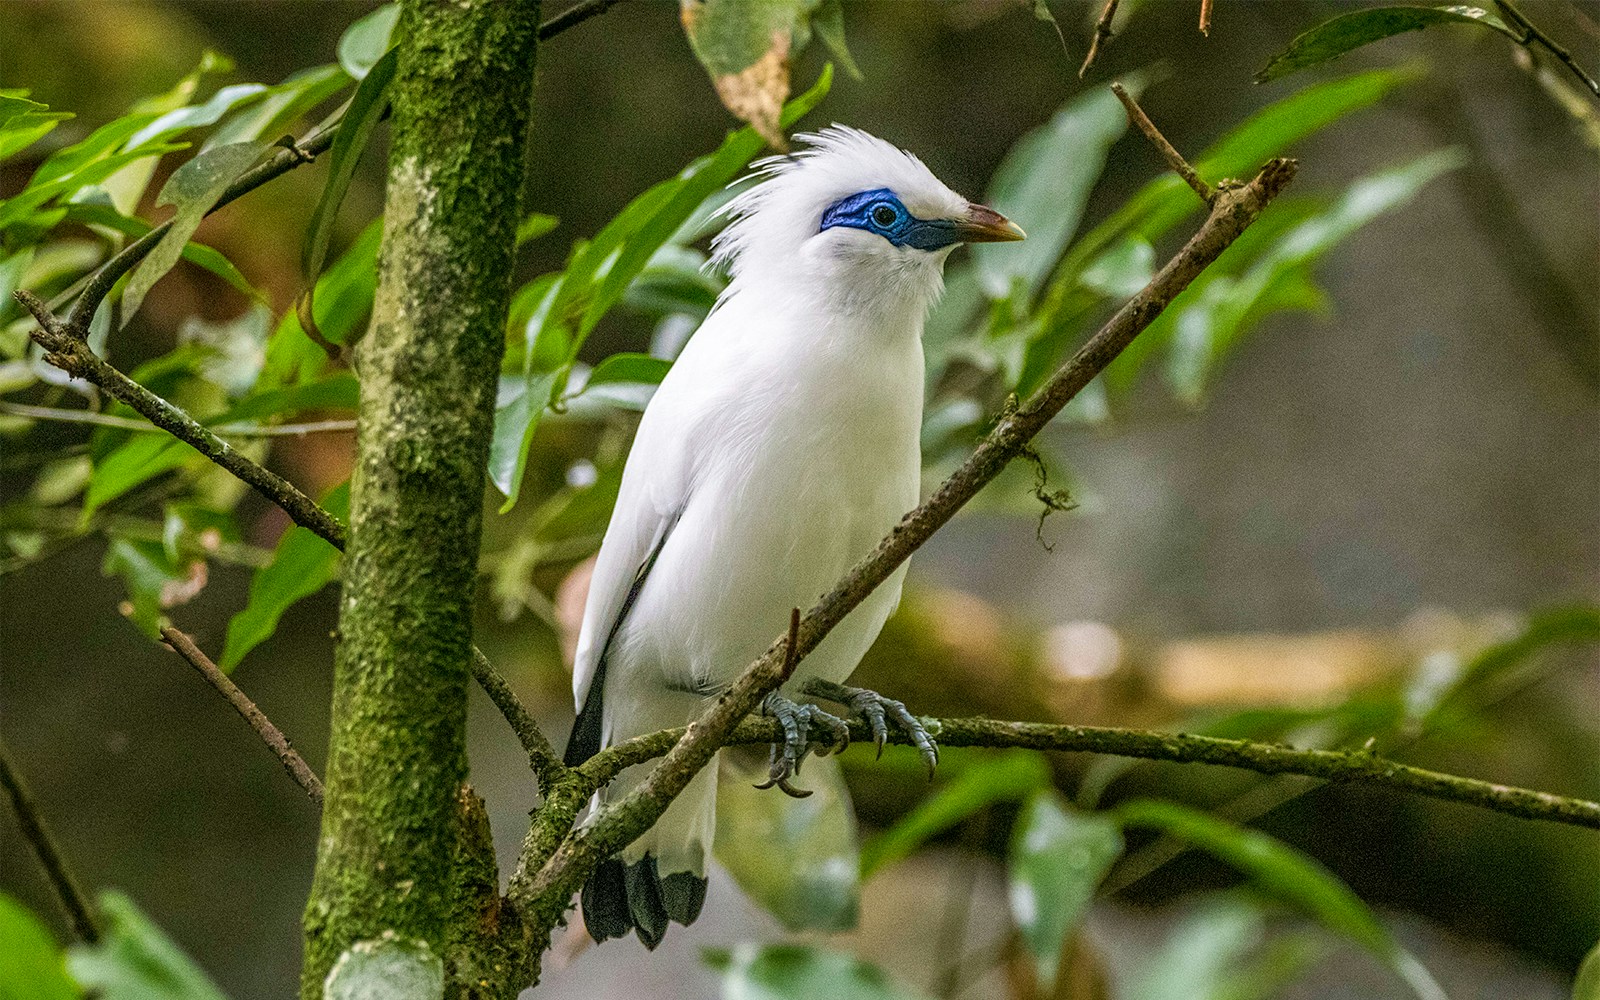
[{"x": 880, "y": 211}]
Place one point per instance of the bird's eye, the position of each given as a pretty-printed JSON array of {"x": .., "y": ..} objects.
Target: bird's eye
[{"x": 884, "y": 215}]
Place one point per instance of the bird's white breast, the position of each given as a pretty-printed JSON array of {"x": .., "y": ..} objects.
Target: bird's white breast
[{"x": 803, "y": 453}]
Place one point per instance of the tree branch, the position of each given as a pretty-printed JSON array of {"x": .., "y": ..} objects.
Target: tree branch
[
  {"x": 1530, "y": 33},
  {"x": 574, "y": 16},
  {"x": 270, "y": 734},
  {"x": 542, "y": 887},
  {"x": 547, "y": 766},
  {"x": 1102, "y": 35},
  {"x": 60, "y": 415},
  {"x": 34, "y": 830},
  {"x": 1337, "y": 766},
  {"x": 1175, "y": 160}
]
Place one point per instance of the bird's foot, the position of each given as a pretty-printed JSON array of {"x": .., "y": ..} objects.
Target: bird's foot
[
  {"x": 879, "y": 712},
  {"x": 799, "y": 720}
]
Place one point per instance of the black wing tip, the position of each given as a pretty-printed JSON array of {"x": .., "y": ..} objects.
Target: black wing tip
[{"x": 618, "y": 898}]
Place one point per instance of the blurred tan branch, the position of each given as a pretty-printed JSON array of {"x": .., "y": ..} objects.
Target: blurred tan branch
[{"x": 85, "y": 923}]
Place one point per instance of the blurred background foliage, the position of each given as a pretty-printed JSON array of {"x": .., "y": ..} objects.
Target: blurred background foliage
[{"x": 1341, "y": 494}]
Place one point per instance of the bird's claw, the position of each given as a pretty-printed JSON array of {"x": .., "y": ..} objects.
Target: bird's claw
[
  {"x": 879, "y": 711},
  {"x": 798, "y": 719}
]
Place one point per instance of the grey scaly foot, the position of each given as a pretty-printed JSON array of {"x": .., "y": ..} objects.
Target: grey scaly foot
[
  {"x": 798, "y": 720},
  {"x": 879, "y": 712}
]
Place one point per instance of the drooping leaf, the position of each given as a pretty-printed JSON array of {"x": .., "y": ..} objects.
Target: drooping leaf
[
  {"x": 1333, "y": 38},
  {"x": 745, "y": 49},
  {"x": 365, "y": 41},
  {"x": 181, "y": 120},
  {"x": 827, "y": 21},
  {"x": 138, "y": 460},
  {"x": 797, "y": 859},
  {"x": 343, "y": 300},
  {"x": 135, "y": 960},
  {"x": 282, "y": 103},
  {"x": 1058, "y": 857},
  {"x": 627, "y": 367},
  {"x": 386, "y": 968},
  {"x": 1042, "y": 185},
  {"x": 31, "y": 963},
  {"x": 517, "y": 409},
  {"x": 1005, "y": 777},
  {"x": 1226, "y": 309},
  {"x": 355, "y": 130},
  {"x": 796, "y": 972},
  {"x": 1289, "y": 875},
  {"x": 1487, "y": 672},
  {"x": 302, "y": 564},
  {"x": 534, "y": 226},
  {"x": 192, "y": 189}
]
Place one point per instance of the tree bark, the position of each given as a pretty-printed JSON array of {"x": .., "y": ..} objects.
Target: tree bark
[{"x": 397, "y": 851}]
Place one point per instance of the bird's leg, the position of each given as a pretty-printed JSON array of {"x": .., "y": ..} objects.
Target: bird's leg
[
  {"x": 798, "y": 719},
  {"x": 879, "y": 711}
]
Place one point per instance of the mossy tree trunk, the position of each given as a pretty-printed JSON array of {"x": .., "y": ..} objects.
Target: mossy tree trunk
[{"x": 388, "y": 857}]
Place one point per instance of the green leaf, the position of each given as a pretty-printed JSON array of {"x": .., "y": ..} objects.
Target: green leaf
[
  {"x": 1290, "y": 876},
  {"x": 627, "y": 367},
  {"x": 36, "y": 194},
  {"x": 366, "y": 41},
  {"x": 195, "y": 253},
  {"x": 1587, "y": 985},
  {"x": 1333, "y": 38},
  {"x": 827, "y": 21},
  {"x": 796, "y": 972},
  {"x": 1491, "y": 669},
  {"x": 343, "y": 300},
  {"x": 1004, "y": 777},
  {"x": 24, "y": 122},
  {"x": 192, "y": 189},
  {"x": 154, "y": 580},
  {"x": 282, "y": 103},
  {"x": 31, "y": 966},
  {"x": 134, "y": 960},
  {"x": 517, "y": 410},
  {"x": 1208, "y": 955},
  {"x": 535, "y": 226},
  {"x": 1043, "y": 184},
  {"x": 176, "y": 122},
  {"x": 136, "y": 461},
  {"x": 1225, "y": 310},
  {"x": 386, "y": 968},
  {"x": 797, "y": 859},
  {"x": 302, "y": 564},
  {"x": 355, "y": 130},
  {"x": 1058, "y": 857}
]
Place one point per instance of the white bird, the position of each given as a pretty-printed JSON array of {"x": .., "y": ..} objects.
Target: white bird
[{"x": 780, "y": 448}]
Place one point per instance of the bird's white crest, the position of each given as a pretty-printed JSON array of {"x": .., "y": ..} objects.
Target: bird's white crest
[{"x": 774, "y": 220}]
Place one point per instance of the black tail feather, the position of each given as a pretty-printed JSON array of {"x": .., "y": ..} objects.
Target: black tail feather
[{"x": 618, "y": 898}]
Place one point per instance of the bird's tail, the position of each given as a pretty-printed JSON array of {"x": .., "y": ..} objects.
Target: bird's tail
[{"x": 660, "y": 876}]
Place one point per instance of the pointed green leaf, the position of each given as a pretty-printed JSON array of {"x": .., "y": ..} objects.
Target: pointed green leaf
[
  {"x": 135, "y": 960},
  {"x": 1333, "y": 38},
  {"x": 302, "y": 564},
  {"x": 1289, "y": 875},
  {"x": 365, "y": 41},
  {"x": 282, "y": 103},
  {"x": 181, "y": 120},
  {"x": 192, "y": 189},
  {"x": 1005, "y": 777},
  {"x": 627, "y": 367},
  {"x": 154, "y": 580},
  {"x": 1058, "y": 857}
]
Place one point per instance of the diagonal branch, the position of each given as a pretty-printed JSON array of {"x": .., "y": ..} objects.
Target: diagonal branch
[
  {"x": 270, "y": 734},
  {"x": 541, "y": 887},
  {"x": 81, "y": 913}
]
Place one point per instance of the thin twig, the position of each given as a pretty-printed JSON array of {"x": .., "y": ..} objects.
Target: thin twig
[
  {"x": 1531, "y": 33},
  {"x": 82, "y": 915},
  {"x": 1102, "y": 36},
  {"x": 574, "y": 16},
  {"x": 542, "y": 894},
  {"x": 1205, "y": 18},
  {"x": 72, "y": 355},
  {"x": 1174, "y": 159},
  {"x": 270, "y": 734},
  {"x": 546, "y": 763},
  {"x": 1337, "y": 766},
  {"x": 65, "y": 416}
]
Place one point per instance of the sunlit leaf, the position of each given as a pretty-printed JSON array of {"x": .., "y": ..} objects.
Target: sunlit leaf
[
  {"x": 135, "y": 960},
  {"x": 1333, "y": 38},
  {"x": 1289, "y": 875},
  {"x": 355, "y": 130},
  {"x": 534, "y": 226},
  {"x": 282, "y": 103},
  {"x": 87, "y": 175},
  {"x": 175, "y": 123},
  {"x": 1587, "y": 984},
  {"x": 365, "y": 41},
  {"x": 192, "y": 189},
  {"x": 796, "y": 859},
  {"x": 31, "y": 963},
  {"x": 137, "y": 461},
  {"x": 1058, "y": 857},
  {"x": 1042, "y": 185},
  {"x": 517, "y": 409},
  {"x": 797, "y": 972},
  {"x": 1005, "y": 777},
  {"x": 626, "y": 367}
]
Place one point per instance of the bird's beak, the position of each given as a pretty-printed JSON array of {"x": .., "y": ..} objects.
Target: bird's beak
[{"x": 985, "y": 225}]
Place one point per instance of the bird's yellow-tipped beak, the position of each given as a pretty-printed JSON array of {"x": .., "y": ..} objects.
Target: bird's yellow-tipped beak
[{"x": 985, "y": 225}]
